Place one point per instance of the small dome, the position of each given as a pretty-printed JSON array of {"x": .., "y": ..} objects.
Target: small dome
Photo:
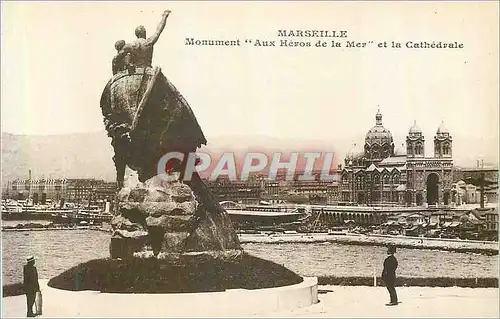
[
  {"x": 442, "y": 129},
  {"x": 355, "y": 152},
  {"x": 401, "y": 150},
  {"x": 415, "y": 129}
]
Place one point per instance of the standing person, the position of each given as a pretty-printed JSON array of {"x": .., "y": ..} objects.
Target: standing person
[
  {"x": 389, "y": 274},
  {"x": 31, "y": 286}
]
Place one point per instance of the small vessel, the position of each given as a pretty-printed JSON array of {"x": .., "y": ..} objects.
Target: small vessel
[
  {"x": 264, "y": 217},
  {"x": 337, "y": 231}
]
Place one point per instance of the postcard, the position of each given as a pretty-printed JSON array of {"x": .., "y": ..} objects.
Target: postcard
[{"x": 250, "y": 159}]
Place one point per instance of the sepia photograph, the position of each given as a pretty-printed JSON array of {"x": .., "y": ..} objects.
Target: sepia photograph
[{"x": 249, "y": 159}]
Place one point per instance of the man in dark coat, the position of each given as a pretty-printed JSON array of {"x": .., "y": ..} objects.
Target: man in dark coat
[
  {"x": 31, "y": 286},
  {"x": 389, "y": 275}
]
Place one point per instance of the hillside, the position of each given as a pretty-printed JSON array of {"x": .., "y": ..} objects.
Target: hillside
[{"x": 79, "y": 155}]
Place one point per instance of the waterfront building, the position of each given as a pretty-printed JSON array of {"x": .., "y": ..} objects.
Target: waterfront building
[
  {"x": 483, "y": 178},
  {"x": 472, "y": 195},
  {"x": 314, "y": 191},
  {"x": 379, "y": 174},
  {"x": 245, "y": 192},
  {"x": 333, "y": 194},
  {"x": 491, "y": 195},
  {"x": 105, "y": 192},
  {"x": 40, "y": 191},
  {"x": 491, "y": 220},
  {"x": 262, "y": 188},
  {"x": 272, "y": 188},
  {"x": 80, "y": 190},
  {"x": 463, "y": 193},
  {"x": 91, "y": 192}
]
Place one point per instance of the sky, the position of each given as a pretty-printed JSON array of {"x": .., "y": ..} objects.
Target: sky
[{"x": 56, "y": 59}]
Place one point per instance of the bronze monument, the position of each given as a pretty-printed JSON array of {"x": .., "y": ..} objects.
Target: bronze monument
[{"x": 146, "y": 117}]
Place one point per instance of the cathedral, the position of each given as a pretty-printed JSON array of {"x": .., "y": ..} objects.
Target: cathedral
[{"x": 380, "y": 175}]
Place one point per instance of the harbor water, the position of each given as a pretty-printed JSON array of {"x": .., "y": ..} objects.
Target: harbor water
[{"x": 59, "y": 250}]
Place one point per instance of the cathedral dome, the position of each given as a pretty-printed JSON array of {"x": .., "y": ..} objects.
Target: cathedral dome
[{"x": 378, "y": 134}]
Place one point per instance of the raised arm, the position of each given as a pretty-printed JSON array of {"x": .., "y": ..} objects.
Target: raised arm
[{"x": 152, "y": 39}]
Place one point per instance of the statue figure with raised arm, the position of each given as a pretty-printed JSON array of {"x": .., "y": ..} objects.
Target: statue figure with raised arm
[
  {"x": 142, "y": 48},
  {"x": 144, "y": 113},
  {"x": 146, "y": 118}
]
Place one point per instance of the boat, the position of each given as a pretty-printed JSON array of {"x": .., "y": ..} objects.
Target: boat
[
  {"x": 15, "y": 210},
  {"x": 262, "y": 217},
  {"x": 337, "y": 231}
]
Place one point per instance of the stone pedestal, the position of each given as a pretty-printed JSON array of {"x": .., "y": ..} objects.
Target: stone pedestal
[{"x": 171, "y": 218}]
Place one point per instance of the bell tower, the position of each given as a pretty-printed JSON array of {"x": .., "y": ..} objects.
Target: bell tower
[
  {"x": 442, "y": 143},
  {"x": 415, "y": 142}
]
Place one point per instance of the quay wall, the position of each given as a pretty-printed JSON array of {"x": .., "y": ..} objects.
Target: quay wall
[{"x": 464, "y": 246}]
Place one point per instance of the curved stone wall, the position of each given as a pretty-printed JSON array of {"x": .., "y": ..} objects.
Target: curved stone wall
[{"x": 230, "y": 303}]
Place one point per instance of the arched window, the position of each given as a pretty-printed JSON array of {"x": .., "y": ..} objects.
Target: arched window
[
  {"x": 386, "y": 179},
  {"x": 446, "y": 149},
  {"x": 418, "y": 149},
  {"x": 359, "y": 182},
  {"x": 395, "y": 179}
]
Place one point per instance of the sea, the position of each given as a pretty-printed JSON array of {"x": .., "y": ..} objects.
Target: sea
[{"x": 58, "y": 250}]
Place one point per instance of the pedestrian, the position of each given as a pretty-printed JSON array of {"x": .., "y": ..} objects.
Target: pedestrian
[
  {"x": 389, "y": 274},
  {"x": 31, "y": 286}
]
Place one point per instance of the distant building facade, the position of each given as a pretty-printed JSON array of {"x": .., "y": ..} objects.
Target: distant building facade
[
  {"x": 380, "y": 175},
  {"x": 245, "y": 192},
  {"x": 261, "y": 188},
  {"x": 39, "y": 190},
  {"x": 69, "y": 190},
  {"x": 491, "y": 218}
]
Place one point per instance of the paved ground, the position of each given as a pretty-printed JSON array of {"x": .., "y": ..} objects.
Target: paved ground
[
  {"x": 340, "y": 301},
  {"x": 416, "y": 302}
]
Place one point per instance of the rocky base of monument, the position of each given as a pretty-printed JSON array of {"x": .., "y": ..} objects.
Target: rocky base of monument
[
  {"x": 185, "y": 275},
  {"x": 168, "y": 218},
  {"x": 173, "y": 241}
]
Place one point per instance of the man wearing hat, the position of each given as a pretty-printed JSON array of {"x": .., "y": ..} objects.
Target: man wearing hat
[
  {"x": 389, "y": 274},
  {"x": 31, "y": 286}
]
